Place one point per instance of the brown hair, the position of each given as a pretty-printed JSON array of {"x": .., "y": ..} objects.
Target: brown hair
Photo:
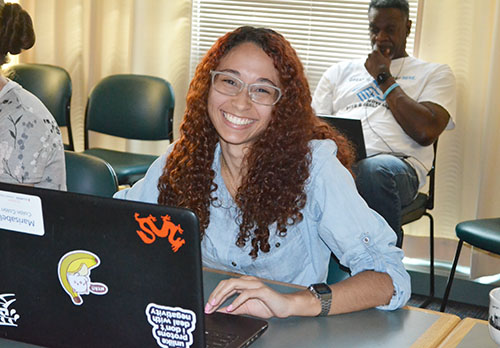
[
  {"x": 272, "y": 191},
  {"x": 16, "y": 31}
]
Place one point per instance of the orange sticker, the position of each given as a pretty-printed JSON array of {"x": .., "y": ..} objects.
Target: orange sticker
[{"x": 148, "y": 230}]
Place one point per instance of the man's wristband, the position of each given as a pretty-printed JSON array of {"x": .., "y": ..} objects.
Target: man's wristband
[{"x": 389, "y": 90}]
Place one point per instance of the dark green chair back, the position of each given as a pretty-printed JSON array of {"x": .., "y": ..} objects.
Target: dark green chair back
[
  {"x": 132, "y": 107},
  {"x": 481, "y": 233},
  {"x": 52, "y": 85},
  {"x": 89, "y": 175}
]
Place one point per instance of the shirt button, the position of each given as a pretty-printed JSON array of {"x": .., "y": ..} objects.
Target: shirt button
[
  {"x": 366, "y": 240},
  {"x": 233, "y": 263},
  {"x": 278, "y": 245}
]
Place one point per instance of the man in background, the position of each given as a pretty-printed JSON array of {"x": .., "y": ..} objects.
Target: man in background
[{"x": 404, "y": 104}]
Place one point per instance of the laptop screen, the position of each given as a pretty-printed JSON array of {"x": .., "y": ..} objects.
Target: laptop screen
[{"x": 352, "y": 129}]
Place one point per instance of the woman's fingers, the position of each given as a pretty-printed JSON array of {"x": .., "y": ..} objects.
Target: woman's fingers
[
  {"x": 252, "y": 301},
  {"x": 227, "y": 288}
]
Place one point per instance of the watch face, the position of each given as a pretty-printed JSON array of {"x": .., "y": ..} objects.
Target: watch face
[
  {"x": 322, "y": 288},
  {"x": 382, "y": 77}
]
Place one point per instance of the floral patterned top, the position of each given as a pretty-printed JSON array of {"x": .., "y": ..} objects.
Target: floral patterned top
[{"x": 31, "y": 148}]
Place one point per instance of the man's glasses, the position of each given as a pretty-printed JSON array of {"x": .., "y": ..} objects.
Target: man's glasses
[{"x": 259, "y": 93}]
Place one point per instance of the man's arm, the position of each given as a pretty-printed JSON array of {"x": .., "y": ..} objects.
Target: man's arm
[{"x": 423, "y": 122}]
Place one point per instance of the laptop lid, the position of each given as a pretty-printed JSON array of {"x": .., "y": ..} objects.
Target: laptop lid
[
  {"x": 352, "y": 129},
  {"x": 87, "y": 271}
]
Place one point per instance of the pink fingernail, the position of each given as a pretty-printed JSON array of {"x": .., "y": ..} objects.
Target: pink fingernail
[
  {"x": 229, "y": 308},
  {"x": 207, "y": 308}
]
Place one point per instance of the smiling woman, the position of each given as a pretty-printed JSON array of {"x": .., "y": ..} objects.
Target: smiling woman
[
  {"x": 237, "y": 117},
  {"x": 271, "y": 186}
]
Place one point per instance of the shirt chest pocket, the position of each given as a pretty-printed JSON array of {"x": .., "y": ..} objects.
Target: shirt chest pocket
[{"x": 287, "y": 260}]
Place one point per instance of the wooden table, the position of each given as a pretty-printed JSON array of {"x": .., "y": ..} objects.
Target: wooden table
[{"x": 469, "y": 333}]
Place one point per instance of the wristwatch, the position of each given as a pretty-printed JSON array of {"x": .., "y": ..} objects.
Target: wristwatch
[
  {"x": 323, "y": 292},
  {"x": 382, "y": 77}
]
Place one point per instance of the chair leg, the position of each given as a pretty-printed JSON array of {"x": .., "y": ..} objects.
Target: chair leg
[
  {"x": 452, "y": 275},
  {"x": 431, "y": 260},
  {"x": 400, "y": 237}
]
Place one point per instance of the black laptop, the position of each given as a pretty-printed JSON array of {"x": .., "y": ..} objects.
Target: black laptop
[
  {"x": 352, "y": 129},
  {"x": 85, "y": 271}
]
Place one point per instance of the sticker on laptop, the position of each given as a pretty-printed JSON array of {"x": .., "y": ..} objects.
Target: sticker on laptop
[
  {"x": 8, "y": 315},
  {"x": 149, "y": 231},
  {"x": 21, "y": 213},
  {"x": 74, "y": 274},
  {"x": 172, "y": 326}
]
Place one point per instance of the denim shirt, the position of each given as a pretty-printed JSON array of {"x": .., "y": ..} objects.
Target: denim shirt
[{"x": 335, "y": 219}]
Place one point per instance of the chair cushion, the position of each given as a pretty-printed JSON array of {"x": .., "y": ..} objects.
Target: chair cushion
[
  {"x": 481, "y": 233},
  {"x": 129, "y": 167},
  {"x": 415, "y": 210}
]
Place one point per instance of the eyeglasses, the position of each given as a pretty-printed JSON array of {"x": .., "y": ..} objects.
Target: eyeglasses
[{"x": 259, "y": 93}]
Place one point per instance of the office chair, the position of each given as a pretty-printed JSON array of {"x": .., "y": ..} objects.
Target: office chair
[
  {"x": 52, "y": 85},
  {"x": 133, "y": 107},
  {"x": 89, "y": 175},
  {"x": 418, "y": 208},
  {"x": 481, "y": 233}
]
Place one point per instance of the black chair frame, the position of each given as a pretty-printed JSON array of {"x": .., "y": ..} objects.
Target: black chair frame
[{"x": 418, "y": 208}]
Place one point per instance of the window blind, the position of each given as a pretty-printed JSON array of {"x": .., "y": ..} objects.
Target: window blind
[{"x": 322, "y": 32}]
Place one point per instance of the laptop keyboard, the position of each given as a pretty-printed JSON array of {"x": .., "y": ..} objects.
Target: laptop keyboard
[{"x": 218, "y": 339}]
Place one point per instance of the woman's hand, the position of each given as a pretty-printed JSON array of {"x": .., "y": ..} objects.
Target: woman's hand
[{"x": 254, "y": 298}]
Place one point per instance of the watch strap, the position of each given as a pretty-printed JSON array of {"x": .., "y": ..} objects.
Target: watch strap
[{"x": 325, "y": 306}]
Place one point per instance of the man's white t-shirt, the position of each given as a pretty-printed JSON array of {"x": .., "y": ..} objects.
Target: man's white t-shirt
[{"x": 347, "y": 90}]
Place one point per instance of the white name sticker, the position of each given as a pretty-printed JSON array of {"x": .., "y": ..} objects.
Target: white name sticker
[{"x": 21, "y": 213}]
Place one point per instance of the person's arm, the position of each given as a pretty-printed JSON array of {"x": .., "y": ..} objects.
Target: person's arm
[
  {"x": 365, "y": 290},
  {"x": 423, "y": 122},
  {"x": 146, "y": 189}
]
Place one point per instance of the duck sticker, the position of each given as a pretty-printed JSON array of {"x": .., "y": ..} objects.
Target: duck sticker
[{"x": 74, "y": 275}]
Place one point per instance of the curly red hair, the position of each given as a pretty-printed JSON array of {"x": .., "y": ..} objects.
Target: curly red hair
[{"x": 273, "y": 189}]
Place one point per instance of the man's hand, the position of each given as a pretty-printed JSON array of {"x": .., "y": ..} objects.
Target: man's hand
[{"x": 378, "y": 60}]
